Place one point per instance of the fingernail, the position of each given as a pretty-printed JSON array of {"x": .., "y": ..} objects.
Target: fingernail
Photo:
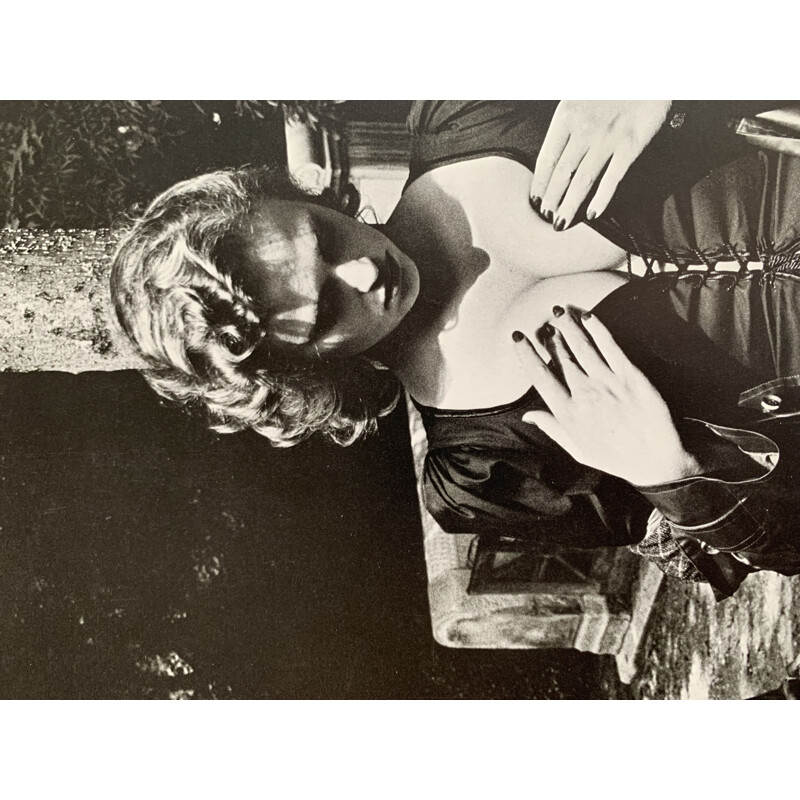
[
  {"x": 558, "y": 311},
  {"x": 529, "y": 419},
  {"x": 590, "y": 215},
  {"x": 587, "y": 315},
  {"x": 548, "y": 330},
  {"x": 517, "y": 336},
  {"x": 560, "y": 224},
  {"x": 548, "y": 215},
  {"x": 536, "y": 202}
]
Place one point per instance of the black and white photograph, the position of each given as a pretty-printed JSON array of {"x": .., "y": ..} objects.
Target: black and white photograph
[{"x": 399, "y": 400}]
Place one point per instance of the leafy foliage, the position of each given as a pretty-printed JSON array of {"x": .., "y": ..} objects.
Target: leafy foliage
[
  {"x": 83, "y": 164},
  {"x": 314, "y": 113}
]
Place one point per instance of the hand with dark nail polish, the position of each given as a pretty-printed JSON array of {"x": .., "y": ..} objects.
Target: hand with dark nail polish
[
  {"x": 602, "y": 410},
  {"x": 587, "y": 151},
  {"x": 558, "y": 311}
]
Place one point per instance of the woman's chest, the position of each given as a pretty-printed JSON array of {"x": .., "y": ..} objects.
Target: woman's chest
[
  {"x": 495, "y": 267},
  {"x": 471, "y": 363}
]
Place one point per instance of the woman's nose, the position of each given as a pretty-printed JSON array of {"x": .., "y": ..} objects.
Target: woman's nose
[{"x": 360, "y": 274}]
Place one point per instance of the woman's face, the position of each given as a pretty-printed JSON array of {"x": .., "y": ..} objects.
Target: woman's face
[{"x": 323, "y": 283}]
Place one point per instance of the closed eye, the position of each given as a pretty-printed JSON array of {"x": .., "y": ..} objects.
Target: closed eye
[
  {"x": 291, "y": 331},
  {"x": 310, "y": 323}
]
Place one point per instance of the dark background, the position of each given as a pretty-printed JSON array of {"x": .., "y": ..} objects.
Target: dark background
[
  {"x": 130, "y": 533},
  {"x": 143, "y": 556}
]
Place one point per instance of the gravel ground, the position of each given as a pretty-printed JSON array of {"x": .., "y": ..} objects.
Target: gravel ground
[{"x": 696, "y": 648}]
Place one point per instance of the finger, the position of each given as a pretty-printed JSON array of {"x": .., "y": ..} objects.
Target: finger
[
  {"x": 571, "y": 371},
  {"x": 562, "y": 175},
  {"x": 551, "y": 428},
  {"x": 607, "y": 187},
  {"x": 611, "y": 352},
  {"x": 580, "y": 343},
  {"x": 580, "y": 187},
  {"x": 539, "y": 344},
  {"x": 551, "y": 390},
  {"x": 554, "y": 143}
]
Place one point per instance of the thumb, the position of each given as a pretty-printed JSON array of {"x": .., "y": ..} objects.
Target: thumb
[
  {"x": 553, "y": 429},
  {"x": 545, "y": 422}
]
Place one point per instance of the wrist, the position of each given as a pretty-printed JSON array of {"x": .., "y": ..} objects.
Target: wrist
[
  {"x": 688, "y": 465},
  {"x": 681, "y": 466}
]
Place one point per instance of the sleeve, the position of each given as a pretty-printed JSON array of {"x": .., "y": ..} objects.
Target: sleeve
[
  {"x": 731, "y": 524},
  {"x": 545, "y": 500},
  {"x": 688, "y": 560},
  {"x": 449, "y": 131}
]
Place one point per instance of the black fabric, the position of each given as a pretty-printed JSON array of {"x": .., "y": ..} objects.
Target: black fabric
[
  {"x": 712, "y": 341},
  {"x": 703, "y": 343},
  {"x": 449, "y": 131},
  {"x": 492, "y": 473},
  {"x": 706, "y": 342},
  {"x": 698, "y": 194}
]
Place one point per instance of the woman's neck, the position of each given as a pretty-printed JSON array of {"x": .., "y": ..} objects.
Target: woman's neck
[{"x": 419, "y": 233}]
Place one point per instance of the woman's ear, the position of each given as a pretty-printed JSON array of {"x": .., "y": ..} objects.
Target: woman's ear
[{"x": 349, "y": 200}]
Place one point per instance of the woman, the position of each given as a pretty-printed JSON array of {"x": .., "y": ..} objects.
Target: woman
[{"x": 276, "y": 312}]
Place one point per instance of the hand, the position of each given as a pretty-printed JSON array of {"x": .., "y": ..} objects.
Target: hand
[
  {"x": 605, "y": 413},
  {"x": 590, "y": 145}
]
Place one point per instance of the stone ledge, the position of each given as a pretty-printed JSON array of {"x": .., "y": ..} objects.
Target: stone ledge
[{"x": 644, "y": 596}]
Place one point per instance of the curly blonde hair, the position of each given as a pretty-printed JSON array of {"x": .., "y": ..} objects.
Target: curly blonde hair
[{"x": 201, "y": 335}]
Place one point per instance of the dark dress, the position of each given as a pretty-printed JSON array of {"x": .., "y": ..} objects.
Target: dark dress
[{"x": 722, "y": 348}]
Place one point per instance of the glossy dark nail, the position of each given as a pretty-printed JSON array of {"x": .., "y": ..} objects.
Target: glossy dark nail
[
  {"x": 518, "y": 336},
  {"x": 536, "y": 203},
  {"x": 548, "y": 215},
  {"x": 560, "y": 224},
  {"x": 548, "y": 330},
  {"x": 558, "y": 311}
]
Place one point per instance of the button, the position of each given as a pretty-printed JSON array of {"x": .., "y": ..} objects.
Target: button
[{"x": 770, "y": 403}]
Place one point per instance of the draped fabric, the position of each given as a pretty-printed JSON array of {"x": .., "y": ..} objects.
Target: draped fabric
[{"x": 714, "y": 344}]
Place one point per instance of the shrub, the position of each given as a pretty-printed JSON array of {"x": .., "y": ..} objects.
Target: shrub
[{"x": 84, "y": 164}]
